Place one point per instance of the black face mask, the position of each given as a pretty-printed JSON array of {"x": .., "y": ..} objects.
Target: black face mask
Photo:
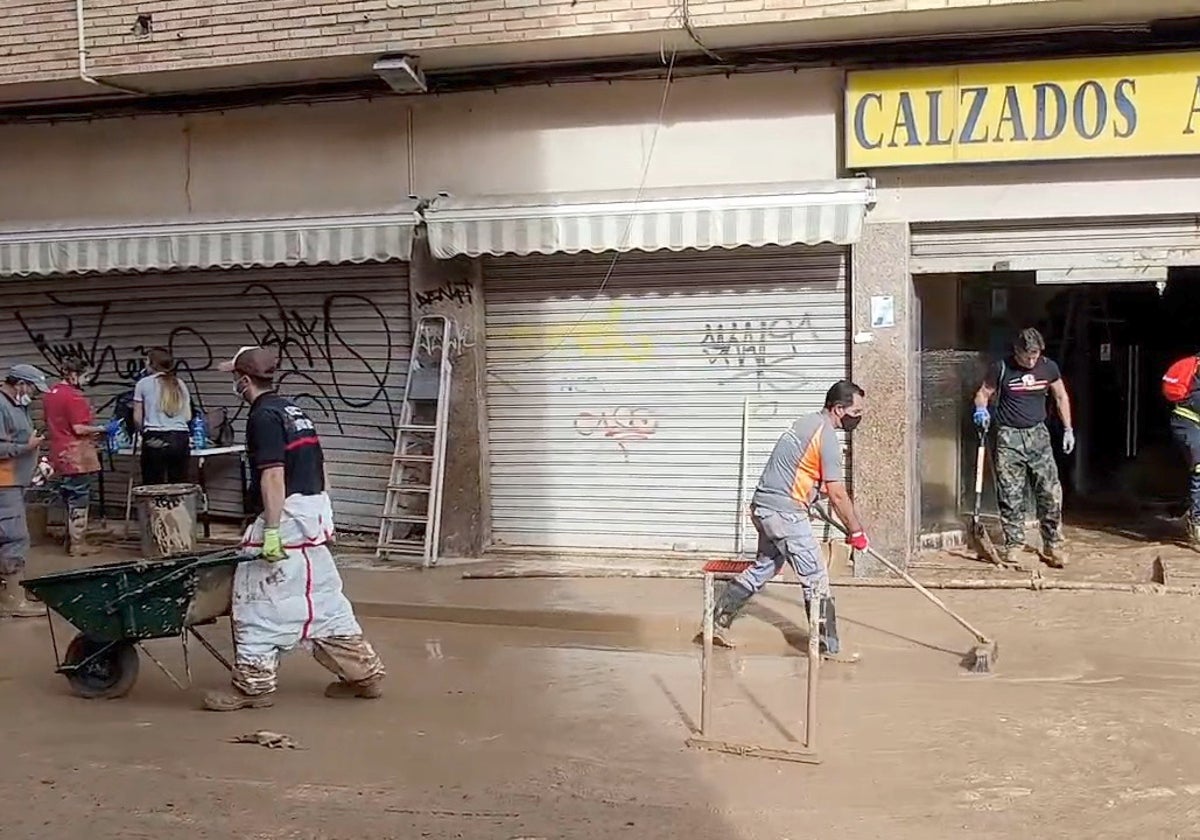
[{"x": 849, "y": 423}]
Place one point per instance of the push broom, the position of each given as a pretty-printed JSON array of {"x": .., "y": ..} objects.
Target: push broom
[
  {"x": 985, "y": 652},
  {"x": 984, "y": 546}
]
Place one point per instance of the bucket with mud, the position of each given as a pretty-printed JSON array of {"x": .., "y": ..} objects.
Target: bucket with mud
[{"x": 167, "y": 518}]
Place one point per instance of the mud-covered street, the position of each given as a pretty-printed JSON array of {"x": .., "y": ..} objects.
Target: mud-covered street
[{"x": 1088, "y": 728}]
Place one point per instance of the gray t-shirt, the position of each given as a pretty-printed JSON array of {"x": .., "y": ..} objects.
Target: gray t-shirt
[
  {"x": 806, "y": 456},
  {"x": 16, "y": 462},
  {"x": 148, "y": 392}
]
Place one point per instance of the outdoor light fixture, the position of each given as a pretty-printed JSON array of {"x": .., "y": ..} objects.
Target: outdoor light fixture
[{"x": 401, "y": 73}]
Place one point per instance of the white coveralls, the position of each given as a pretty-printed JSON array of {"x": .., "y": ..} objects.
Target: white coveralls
[{"x": 296, "y": 601}]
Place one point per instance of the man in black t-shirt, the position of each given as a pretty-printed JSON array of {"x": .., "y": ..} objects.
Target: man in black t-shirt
[
  {"x": 292, "y": 594},
  {"x": 1020, "y": 385}
]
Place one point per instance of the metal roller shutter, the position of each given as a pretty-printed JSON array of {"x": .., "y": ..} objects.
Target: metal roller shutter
[
  {"x": 342, "y": 331},
  {"x": 1106, "y": 243},
  {"x": 615, "y": 416}
]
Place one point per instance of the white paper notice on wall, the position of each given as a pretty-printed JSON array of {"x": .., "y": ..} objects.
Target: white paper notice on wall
[
  {"x": 1106, "y": 352},
  {"x": 883, "y": 311}
]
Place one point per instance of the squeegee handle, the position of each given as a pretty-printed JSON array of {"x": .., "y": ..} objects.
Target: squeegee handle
[{"x": 911, "y": 581}]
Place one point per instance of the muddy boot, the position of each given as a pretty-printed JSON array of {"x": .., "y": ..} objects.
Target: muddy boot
[
  {"x": 1054, "y": 556},
  {"x": 232, "y": 700},
  {"x": 831, "y": 645},
  {"x": 1011, "y": 558},
  {"x": 371, "y": 689},
  {"x": 729, "y": 603},
  {"x": 77, "y": 544},
  {"x": 13, "y": 603},
  {"x": 1193, "y": 533}
]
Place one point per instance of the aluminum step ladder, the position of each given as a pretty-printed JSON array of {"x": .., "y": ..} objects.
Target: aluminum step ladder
[{"x": 411, "y": 523}]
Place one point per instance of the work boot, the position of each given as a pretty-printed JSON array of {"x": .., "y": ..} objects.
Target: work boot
[
  {"x": 1011, "y": 558},
  {"x": 371, "y": 689},
  {"x": 232, "y": 700},
  {"x": 831, "y": 645},
  {"x": 1054, "y": 556},
  {"x": 77, "y": 544},
  {"x": 1193, "y": 533},
  {"x": 13, "y": 603},
  {"x": 729, "y": 603}
]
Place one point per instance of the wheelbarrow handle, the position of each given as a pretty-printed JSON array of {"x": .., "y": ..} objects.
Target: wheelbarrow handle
[{"x": 173, "y": 575}]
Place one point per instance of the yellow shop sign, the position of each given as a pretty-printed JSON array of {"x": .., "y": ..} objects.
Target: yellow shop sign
[{"x": 1129, "y": 106}]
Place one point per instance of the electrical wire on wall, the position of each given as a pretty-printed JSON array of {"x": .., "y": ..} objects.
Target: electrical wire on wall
[
  {"x": 685, "y": 20},
  {"x": 625, "y": 233}
]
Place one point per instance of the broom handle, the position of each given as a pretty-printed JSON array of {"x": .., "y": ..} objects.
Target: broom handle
[
  {"x": 911, "y": 581},
  {"x": 980, "y": 456},
  {"x": 937, "y": 602}
]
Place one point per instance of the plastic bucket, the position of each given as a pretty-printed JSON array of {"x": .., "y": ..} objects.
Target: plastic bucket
[{"x": 167, "y": 518}]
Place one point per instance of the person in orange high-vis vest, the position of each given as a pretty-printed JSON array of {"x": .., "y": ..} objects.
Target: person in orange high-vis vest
[{"x": 19, "y": 445}]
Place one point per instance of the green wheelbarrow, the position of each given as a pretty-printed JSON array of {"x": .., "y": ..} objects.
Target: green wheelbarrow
[{"x": 116, "y": 607}]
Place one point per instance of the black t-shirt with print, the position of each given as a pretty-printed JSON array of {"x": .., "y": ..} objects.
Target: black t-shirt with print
[
  {"x": 278, "y": 433},
  {"x": 1021, "y": 392}
]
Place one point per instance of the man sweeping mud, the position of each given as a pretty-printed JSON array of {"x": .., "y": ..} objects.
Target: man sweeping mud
[
  {"x": 292, "y": 594},
  {"x": 806, "y": 461},
  {"x": 1024, "y": 455}
]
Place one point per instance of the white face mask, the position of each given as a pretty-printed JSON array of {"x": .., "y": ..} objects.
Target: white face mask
[{"x": 24, "y": 399}]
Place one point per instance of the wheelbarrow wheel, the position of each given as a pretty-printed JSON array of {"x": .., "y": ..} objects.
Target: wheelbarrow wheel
[{"x": 108, "y": 674}]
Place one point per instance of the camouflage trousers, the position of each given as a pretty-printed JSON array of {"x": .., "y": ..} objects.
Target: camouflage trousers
[{"x": 1025, "y": 458}]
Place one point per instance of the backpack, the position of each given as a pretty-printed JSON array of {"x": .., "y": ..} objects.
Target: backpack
[
  {"x": 1180, "y": 379},
  {"x": 123, "y": 411},
  {"x": 220, "y": 427}
]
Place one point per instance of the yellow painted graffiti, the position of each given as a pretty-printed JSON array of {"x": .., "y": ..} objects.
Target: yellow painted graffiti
[{"x": 598, "y": 335}]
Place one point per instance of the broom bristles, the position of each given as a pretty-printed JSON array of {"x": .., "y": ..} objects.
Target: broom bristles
[
  {"x": 983, "y": 656},
  {"x": 984, "y": 546}
]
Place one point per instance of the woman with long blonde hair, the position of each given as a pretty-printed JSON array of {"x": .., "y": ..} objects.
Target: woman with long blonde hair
[{"x": 162, "y": 408}]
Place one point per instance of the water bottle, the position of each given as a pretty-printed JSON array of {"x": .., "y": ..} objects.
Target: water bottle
[
  {"x": 113, "y": 435},
  {"x": 199, "y": 433}
]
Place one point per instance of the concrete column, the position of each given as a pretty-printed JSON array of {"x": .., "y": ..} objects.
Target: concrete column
[
  {"x": 884, "y": 363},
  {"x": 454, "y": 288}
]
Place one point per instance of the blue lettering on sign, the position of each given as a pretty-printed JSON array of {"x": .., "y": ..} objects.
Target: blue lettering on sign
[
  {"x": 860, "y": 119},
  {"x": 935, "y": 116},
  {"x": 1010, "y": 114},
  {"x": 1089, "y": 110},
  {"x": 1080, "y": 110},
  {"x": 978, "y": 97},
  {"x": 1041, "y": 92},
  {"x": 1123, "y": 99},
  {"x": 1195, "y": 108},
  {"x": 906, "y": 119}
]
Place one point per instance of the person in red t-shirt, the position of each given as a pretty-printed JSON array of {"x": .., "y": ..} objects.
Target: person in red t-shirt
[{"x": 71, "y": 430}]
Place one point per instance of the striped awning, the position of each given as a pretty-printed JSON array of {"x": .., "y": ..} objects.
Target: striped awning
[
  {"x": 718, "y": 217},
  {"x": 206, "y": 245}
]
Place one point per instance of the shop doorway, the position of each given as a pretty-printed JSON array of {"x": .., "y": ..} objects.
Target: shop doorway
[{"x": 1112, "y": 340}]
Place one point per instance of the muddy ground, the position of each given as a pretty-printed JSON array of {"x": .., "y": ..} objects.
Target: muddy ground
[{"x": 1089, "y": 728}]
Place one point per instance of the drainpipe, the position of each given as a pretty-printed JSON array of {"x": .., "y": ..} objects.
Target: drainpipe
[{"x": 83, "y": 73}]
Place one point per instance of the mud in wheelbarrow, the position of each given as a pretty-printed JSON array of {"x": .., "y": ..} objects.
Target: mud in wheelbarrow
[{"x": 118, "y": 606}]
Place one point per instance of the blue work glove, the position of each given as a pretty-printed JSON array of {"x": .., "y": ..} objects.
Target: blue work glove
[
  {"x": 983, "y": 418},
  {"x": 1068, "y": 441}
]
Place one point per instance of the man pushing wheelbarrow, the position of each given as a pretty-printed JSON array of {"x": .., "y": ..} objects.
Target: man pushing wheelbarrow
[{"x": 291, "y": 595}]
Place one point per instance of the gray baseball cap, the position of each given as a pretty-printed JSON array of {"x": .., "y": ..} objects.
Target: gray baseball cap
[{"x": 30, "y": 374}]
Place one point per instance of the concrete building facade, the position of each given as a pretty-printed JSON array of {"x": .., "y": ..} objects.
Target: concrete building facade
[{"x": 654, "y": 257}]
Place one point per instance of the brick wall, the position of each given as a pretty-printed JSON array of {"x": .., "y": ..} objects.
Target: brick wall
[{"x": 37, "y": 40}]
